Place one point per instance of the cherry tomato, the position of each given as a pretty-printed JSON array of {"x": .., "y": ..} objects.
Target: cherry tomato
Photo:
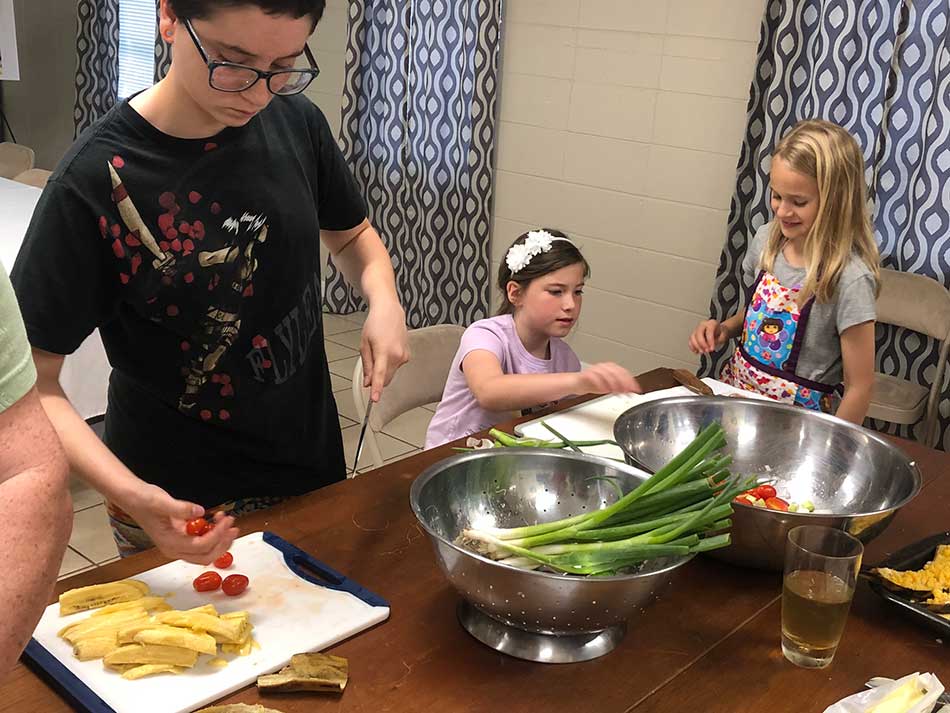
[
  {"x": 234, "y": 584},
  {"x": 197, "y": 527},
  {"x": 776, "y": 504},
  {"x": 207, "y": 582},
  {"x": 224, "y": 561},
  {"x": 763, "y": 491}
]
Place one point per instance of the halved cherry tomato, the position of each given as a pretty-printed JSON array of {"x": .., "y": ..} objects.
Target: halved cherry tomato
[
  {"x": 776, "y": 504},
  {"x": 207, "y": 582},
  {"x": 224, "y": 561},
  {"x": 745, "y": 498},
  {"x": 197, "y": 527},
  {"x": 762, "y": 491},
  {"x": 234, "y": 584}
]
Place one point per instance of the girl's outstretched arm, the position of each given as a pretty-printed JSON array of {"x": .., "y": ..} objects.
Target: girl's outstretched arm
[{"x": 496, "y": 391}]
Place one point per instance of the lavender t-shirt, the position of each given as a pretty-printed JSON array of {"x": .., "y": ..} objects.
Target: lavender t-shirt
[{"x": 459, "y": 413}]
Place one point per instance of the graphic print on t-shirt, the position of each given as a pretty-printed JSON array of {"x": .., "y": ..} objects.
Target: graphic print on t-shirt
[{"x": 227, "y": 269}]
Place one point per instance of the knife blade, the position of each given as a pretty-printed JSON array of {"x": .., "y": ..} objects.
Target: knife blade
[
  {"x": 691, "y": 382},
  {"x": 359, "y": 444}
]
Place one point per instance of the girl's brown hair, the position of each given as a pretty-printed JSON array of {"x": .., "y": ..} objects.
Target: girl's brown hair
[
  {"x": 831, "y": 157},
  {"x": 562, "y": 254}
]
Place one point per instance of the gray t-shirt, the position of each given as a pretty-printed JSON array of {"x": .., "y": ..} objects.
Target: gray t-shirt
[{"x": 853, "y": 304}]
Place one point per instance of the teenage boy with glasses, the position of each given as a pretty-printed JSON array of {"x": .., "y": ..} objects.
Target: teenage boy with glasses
[{"x": 184, "y": 226}]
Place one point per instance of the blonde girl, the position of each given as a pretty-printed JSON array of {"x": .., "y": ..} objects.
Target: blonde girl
[{"x": 808, "y": 328}]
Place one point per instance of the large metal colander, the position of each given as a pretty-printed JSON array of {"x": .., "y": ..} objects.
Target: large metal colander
[{"x": 536, "y": 615}]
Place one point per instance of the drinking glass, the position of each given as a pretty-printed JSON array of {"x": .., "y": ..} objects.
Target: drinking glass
[{"x": 821, "y": 569}]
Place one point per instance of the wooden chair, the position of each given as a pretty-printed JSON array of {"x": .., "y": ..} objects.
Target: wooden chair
[
  {"x": 418, "y": 383},
  {"x": 921, "y": 304}
]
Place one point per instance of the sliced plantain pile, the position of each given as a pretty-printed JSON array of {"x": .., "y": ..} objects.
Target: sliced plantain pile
[{"x": 138, "y": 634}]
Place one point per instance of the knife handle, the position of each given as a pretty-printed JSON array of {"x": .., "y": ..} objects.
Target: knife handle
[{"x": 691, "y": 382}]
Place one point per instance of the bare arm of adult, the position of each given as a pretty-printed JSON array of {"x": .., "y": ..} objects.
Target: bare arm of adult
[
  {"x": 497, "y": 391},
  {"x": 857, "y": 357},
  {"x": 160, "y": 515},
  {"x": 36, "y": 512},
  {"x": 360, "y": 255},
  {"x": 710, "y": 334}
]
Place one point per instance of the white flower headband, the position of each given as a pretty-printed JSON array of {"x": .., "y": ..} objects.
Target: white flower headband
[{"x": 537, "y": 242}]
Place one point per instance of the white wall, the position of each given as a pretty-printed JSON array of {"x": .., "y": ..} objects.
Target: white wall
[
  {"x": 39, "y": 107},
  {"x": 328, "y": 44},
  {"x": 621, "y": 123}
]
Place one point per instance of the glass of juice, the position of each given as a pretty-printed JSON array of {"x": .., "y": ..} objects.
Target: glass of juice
[{"x": 821, "y": 569}]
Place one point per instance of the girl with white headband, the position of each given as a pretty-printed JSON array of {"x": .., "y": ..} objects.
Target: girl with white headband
[{"x": 518, "y": 360}]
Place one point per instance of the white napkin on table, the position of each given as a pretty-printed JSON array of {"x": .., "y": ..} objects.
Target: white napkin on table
[{"x": 914, "y": 693}]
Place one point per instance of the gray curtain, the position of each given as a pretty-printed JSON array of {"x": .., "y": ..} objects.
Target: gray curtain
[
  {"x": 418, "y": 130},
  {"x": 97, "y": 61}
]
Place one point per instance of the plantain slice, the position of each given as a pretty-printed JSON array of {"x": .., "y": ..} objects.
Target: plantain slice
[
  {"x": 162, "y": 635},
  {"x": 232, "y": 630},
  {"x": 149, "y": 669},
  {"x": 150, "y": 653},
  {"x": 308, "y": 672},
  {"x": 149, "y": 604},
  {"x": 100, "y": 595}
]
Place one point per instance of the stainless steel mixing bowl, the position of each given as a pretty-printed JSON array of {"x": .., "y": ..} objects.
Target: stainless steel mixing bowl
[
  {"x": 856, "y": 479},
  {"x": 529, "y": 614}
]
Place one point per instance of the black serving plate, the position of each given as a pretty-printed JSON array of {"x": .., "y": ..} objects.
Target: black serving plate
[{"x": 912, "y": 557}]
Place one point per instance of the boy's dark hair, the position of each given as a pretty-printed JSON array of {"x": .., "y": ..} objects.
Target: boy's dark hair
[
  {"x": 562, "y": 254},
  {"x": 200, "y": 9}
]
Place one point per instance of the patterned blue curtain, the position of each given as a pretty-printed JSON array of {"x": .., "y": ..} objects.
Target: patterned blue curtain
[
  {"x": 881, "y": 69},
  {"x": 97, "y": 60},
  {"x": 418, "y": 129}
]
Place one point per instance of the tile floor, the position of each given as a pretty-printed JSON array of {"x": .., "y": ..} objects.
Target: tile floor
[{"x": 91, "y": 543}]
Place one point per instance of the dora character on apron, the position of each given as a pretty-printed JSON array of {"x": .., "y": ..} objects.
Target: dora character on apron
[{"x": 767, "y": 356}]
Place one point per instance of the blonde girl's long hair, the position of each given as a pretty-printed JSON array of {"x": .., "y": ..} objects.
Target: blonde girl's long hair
[{"x": 828, "y": 154}]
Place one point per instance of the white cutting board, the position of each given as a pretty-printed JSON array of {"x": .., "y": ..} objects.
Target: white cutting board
[
  {"x": 594, "y": 420},
  {"x": 289, "y": 614}
]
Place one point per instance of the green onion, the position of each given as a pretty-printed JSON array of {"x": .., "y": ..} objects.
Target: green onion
[{"x": 682, "y": 509}]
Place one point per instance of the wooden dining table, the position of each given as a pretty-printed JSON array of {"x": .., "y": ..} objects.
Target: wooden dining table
[{"x": 711, "y": 643}]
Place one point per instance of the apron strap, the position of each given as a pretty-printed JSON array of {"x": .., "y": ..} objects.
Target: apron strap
[
  {"x": 791, "y": 364},
  {"x": 787, "y": 375}
]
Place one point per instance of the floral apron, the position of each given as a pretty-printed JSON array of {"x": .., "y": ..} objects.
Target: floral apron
[{"x": 767, "y": 356}]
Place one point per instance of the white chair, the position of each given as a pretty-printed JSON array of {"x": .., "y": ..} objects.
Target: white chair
[
  {"x": 921, "y": 304},
  {"x": 15, "y": 159},
  {"x": 417, "y": 383},
  {"x": 34, "y": 177}
]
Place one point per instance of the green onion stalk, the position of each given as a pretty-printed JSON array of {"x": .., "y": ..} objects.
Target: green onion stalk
[{"x": 684, "y": 508}]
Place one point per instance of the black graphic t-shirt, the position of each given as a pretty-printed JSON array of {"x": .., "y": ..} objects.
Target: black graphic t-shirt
[{"x": 199, "y": 262}]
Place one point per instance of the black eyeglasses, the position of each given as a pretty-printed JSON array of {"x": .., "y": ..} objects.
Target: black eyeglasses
[{"x": 231, "y": 77}]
